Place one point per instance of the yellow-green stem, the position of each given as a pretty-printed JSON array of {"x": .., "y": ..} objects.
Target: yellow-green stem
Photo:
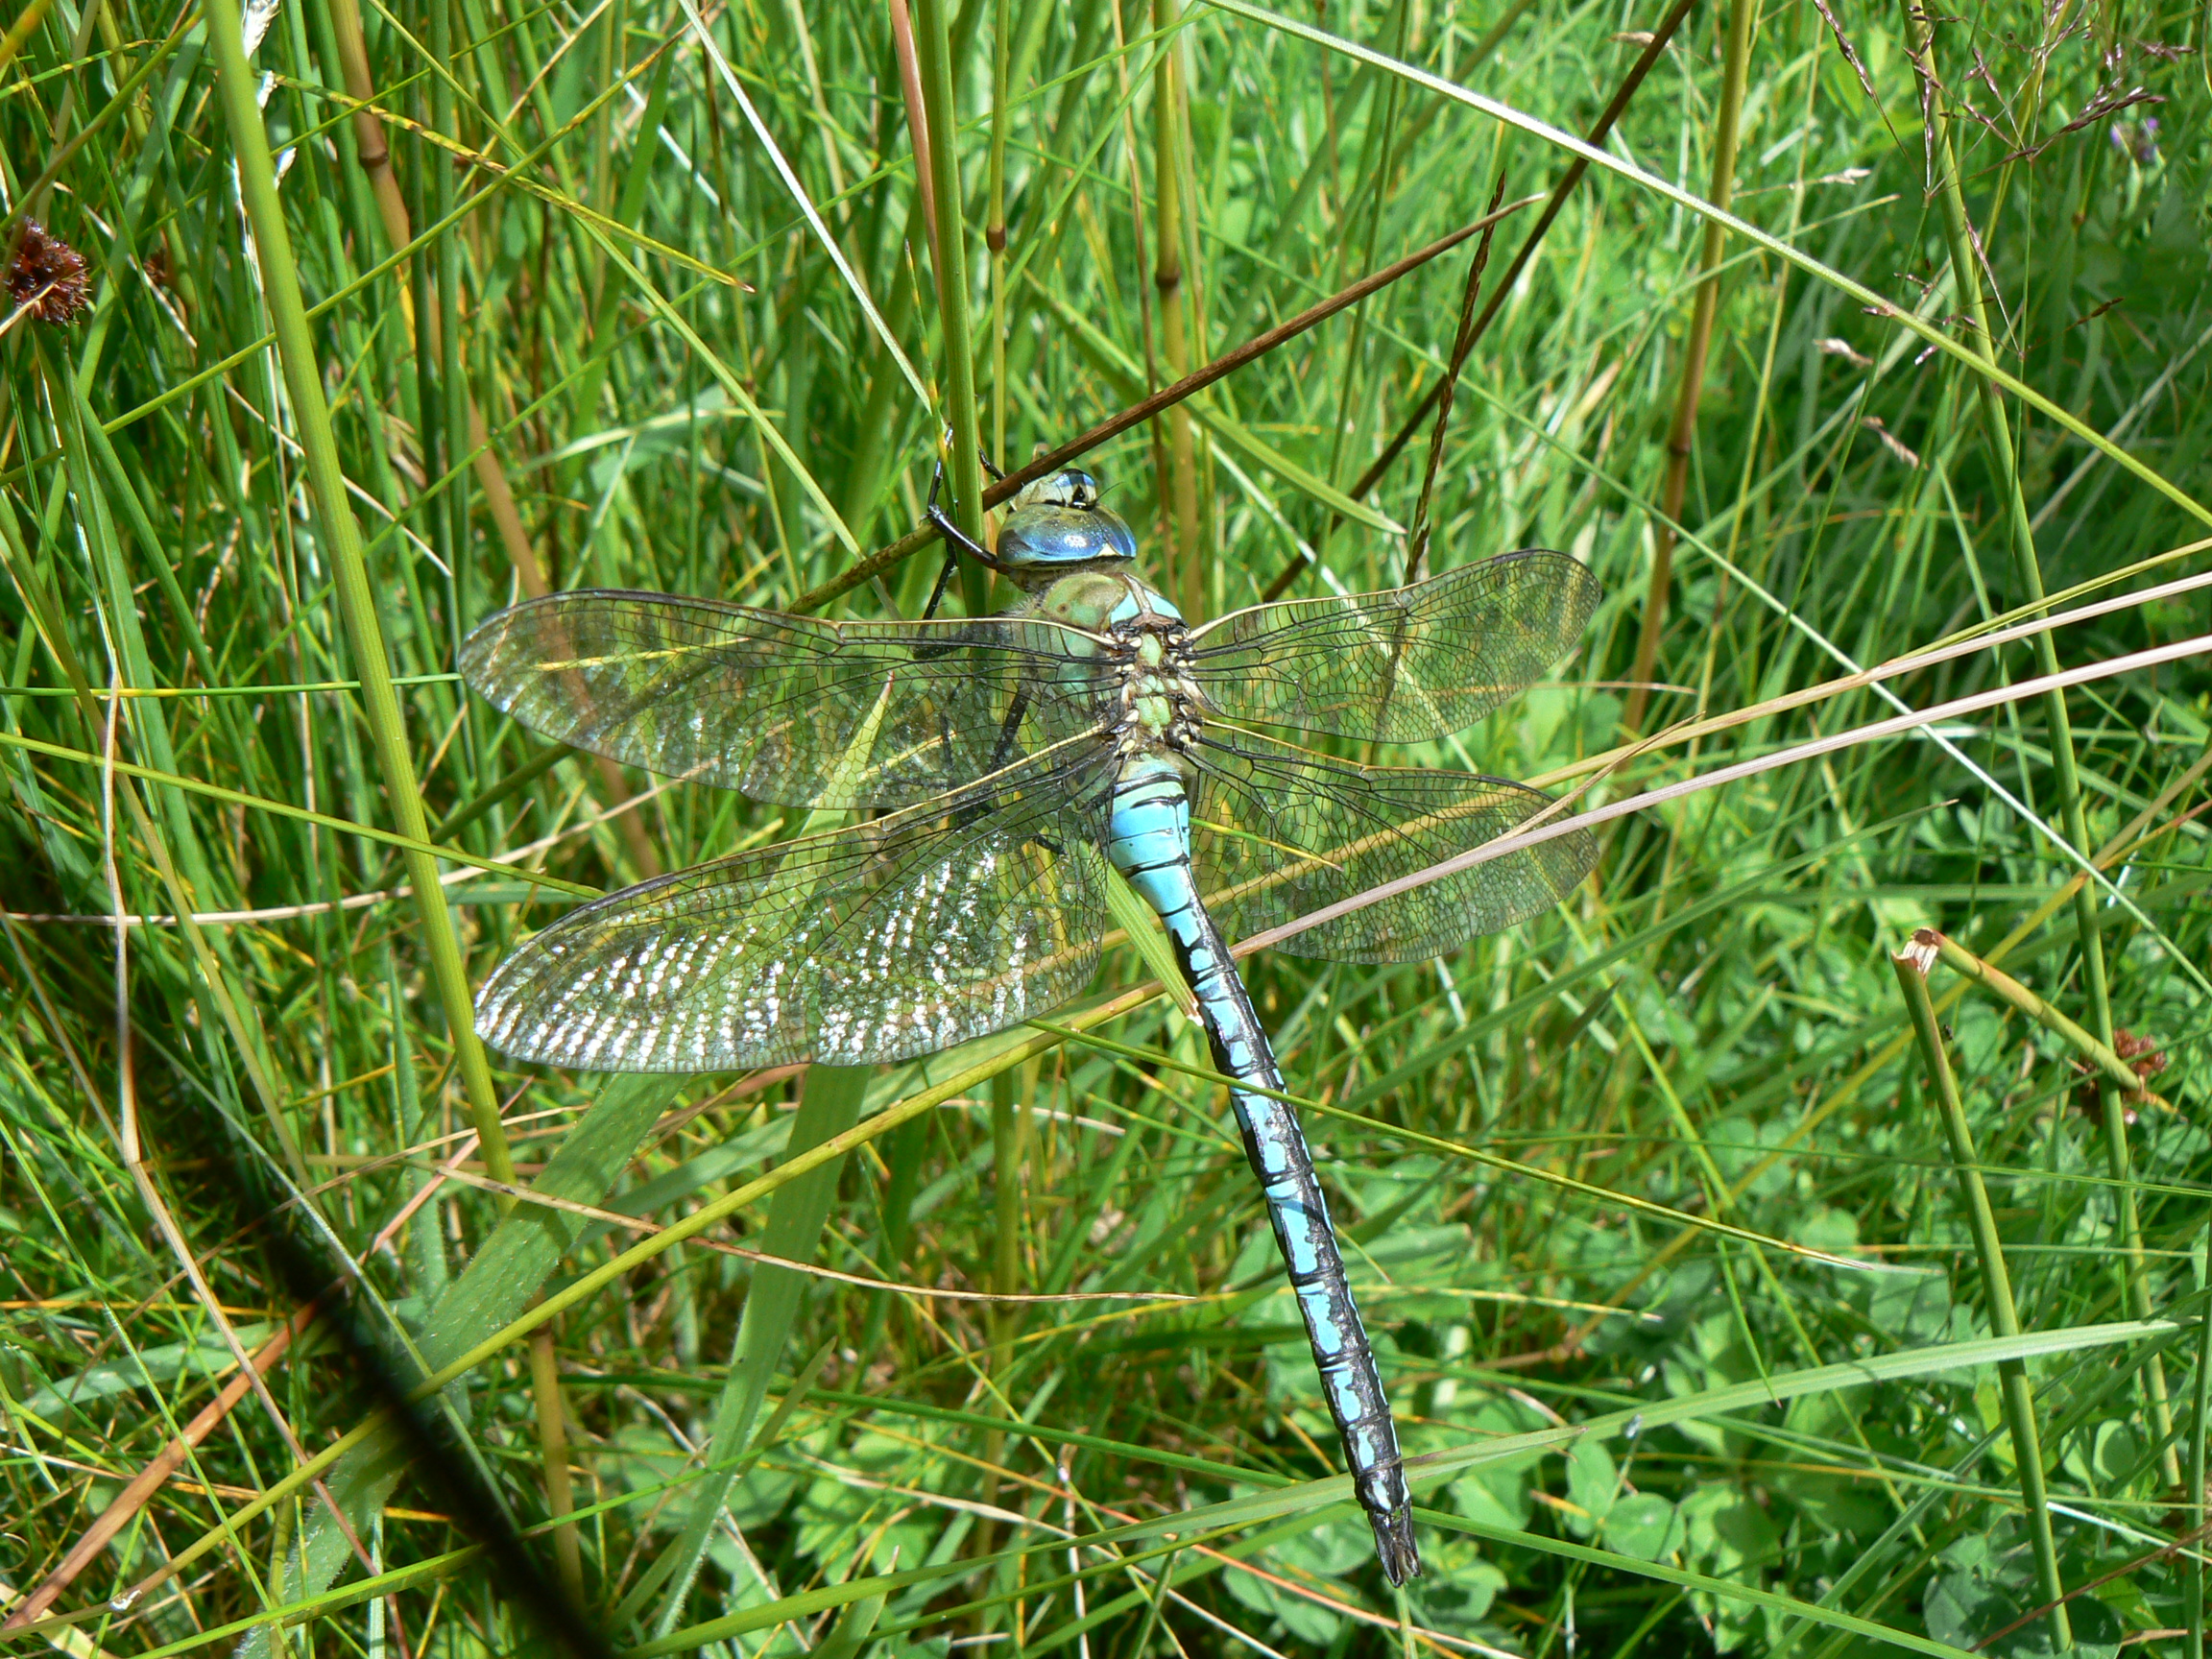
[
  {"x": 2102, "y": 1057},
  {"x": 2004, "y": 1319},
  {"x": 995, "y": 233},
  {"x": 553, "y": 1443},
  {"x": 356, "y": 599},
  {"x": 19, "y": 31},
  {"x": 2197, "y": 1426},
  {"x": 1184, "y": 557},
  {"x": 1981, "y": 342},
  {"x": 933, "y": 55}
]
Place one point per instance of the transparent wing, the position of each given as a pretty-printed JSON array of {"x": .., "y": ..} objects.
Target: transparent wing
[
  {"x": 1278, "y": 832},
  {"x": 1401, "y": 666},
  {"x": 891, "y": 939},
  {"x": 787, "y": 708}
]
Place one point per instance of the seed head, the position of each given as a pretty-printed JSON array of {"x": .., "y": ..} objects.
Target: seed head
[{"x": 46, "y": 276}]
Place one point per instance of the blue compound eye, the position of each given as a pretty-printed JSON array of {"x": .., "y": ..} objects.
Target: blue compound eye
[{"x": 1058, "y": 522}]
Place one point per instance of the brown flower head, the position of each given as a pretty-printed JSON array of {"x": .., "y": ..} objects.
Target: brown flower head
[
  {"x": 2143, "y": 1057},
  {"x": 47, "y": 276}
]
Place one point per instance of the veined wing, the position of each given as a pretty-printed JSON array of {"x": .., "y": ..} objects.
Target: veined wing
[
  {"x": 787, "y": 708},
  {"x": 1278, "y": 832},
  {"x": 890, "y": 939},
  {"x": 1401, "y": 666}
]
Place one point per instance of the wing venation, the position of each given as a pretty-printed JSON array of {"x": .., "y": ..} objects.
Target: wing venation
[
  {"x": 1401, "y": 666},
  {"x": 1279, "y": 831},
  {"x": 790, "y": 710},
  {"x": 887, "y": 940}
]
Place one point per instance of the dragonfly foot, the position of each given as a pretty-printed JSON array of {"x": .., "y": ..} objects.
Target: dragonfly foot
[{"x": 956, "y": 537}]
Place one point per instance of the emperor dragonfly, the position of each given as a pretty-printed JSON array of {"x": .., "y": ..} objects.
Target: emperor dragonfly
[{"x": 1014, "y": 756}]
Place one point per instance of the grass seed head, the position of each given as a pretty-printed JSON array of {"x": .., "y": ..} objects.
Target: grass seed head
[{"x": 47, "y": 276}]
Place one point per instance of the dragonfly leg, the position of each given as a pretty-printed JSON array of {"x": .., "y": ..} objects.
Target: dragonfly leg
[
  {"x": 956, "y": 543},
  {"x": 944, "y": 578},
  {"x": 1008, "y": 731},
  {"x": 956, "y": 538}
]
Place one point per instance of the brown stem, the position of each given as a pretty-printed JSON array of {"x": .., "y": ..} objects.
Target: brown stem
[
  {"x": 126, "y": 1503},
  {"x": 1137, "y": 413},
  {"x": 1646, "y": 60},
  {"x": 917, "y": 117},
  {"x": 1462, "y": 343},
  {"x": 1682, "y": 434},
  {"x": 553, "y": 1440}
]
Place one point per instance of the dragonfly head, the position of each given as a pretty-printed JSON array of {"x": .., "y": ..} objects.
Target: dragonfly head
[{"x": 1058, "y": 524}]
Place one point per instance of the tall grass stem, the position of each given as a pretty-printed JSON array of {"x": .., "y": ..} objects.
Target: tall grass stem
[
  {"x": 357, "y": 598},
  {"x": 1911, "y": 967},
  {"x": 934, "y": 53},
  {"x": 994, "y": 226},
  {"x": 2201, "y": 1410},
  {"x": 1186, "y": 560},
  {"x": 1981, "y": 341}
]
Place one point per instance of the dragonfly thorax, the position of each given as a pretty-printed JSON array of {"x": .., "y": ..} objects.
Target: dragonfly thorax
[
  {"x": 1159, "y": 705},
  {"x": 1136, "y": 650}
]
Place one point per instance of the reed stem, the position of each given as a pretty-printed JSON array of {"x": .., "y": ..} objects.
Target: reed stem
[
  {"x": 1184, "y": 557},
  {"x": 933, "y": 56},
  {"x": 2019, "y": 1396},
  {"x": 995, "y": 229},
  {"x": 357, "y": 598},
  {"x": 1996, "y": 425},
  {"x": 553, "y": 1438},
  {"x": 452, "y": 383}
]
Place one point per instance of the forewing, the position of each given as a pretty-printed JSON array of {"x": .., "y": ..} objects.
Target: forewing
[
  {"x": 787, "y": 708},
  {"x": 1401, "y": 666},
  {"x": 891, "y": 939},
  {"x": 1278, "y": 832}
]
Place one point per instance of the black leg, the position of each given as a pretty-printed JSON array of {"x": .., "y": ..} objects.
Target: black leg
[
  {"x": 944, "y": 578},
  {"x": 956, "y": 538},
  {"x": 1011, "y": 729}
]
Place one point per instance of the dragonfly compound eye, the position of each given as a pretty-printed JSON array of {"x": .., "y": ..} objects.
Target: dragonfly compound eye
[{"x": 1058, "y": 523}]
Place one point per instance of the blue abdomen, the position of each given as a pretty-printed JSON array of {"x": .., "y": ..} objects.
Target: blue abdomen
[{"x": 1148, "y": 838}]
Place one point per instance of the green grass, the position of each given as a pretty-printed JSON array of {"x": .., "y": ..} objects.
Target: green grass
[{"x": 1655, "y": 1205}]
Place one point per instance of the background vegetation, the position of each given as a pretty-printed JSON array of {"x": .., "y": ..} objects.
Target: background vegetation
[{"x": 1663, "y": 1221}]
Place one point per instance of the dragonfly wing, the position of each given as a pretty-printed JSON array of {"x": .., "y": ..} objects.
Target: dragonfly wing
[
  {"x": 1401, "y": 666},
  {"x": 1279, "y": 831},
  {"x": 887, "y": 940},
  {"x": 791, "y": 709}
]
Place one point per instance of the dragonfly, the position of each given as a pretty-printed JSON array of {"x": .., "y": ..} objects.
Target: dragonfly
[{"x": 1011, "y": 762}]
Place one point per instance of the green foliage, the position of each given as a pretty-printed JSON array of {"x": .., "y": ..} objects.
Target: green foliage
[{"x": 1661, "y": 1152}]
